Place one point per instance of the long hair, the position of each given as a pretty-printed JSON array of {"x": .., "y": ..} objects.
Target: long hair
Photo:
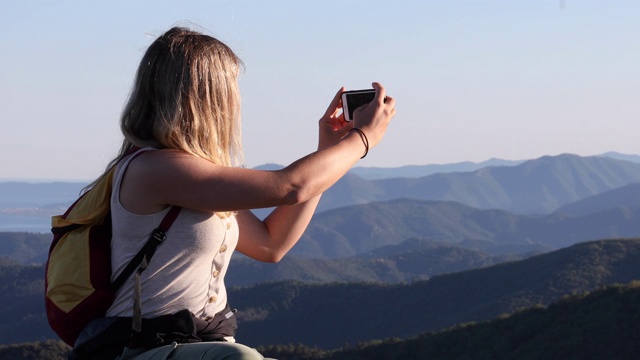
[{"x": 185, "y": 96}]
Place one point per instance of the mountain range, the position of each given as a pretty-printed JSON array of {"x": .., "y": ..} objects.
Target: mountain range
[
  {"x": 533, "y": 186},
  {"x": 280, "y": 312},
  {"x": 627, "y": 196},
  {"x": 537, "y": 186},
  {"x": 358, "y": 229},
  {"x": 416, "y": 171},
  {"x": 389, "y": 256}
]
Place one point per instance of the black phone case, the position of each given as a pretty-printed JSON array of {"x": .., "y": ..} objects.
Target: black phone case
[{"x": 348, "y": 107}]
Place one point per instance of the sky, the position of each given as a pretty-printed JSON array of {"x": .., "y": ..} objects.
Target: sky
[{"x": 473, "y": 80}]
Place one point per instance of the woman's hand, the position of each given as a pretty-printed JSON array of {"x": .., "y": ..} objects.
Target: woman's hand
[
  {"x": 374, "y": 117},
  {"x": 333, "y": 126}
]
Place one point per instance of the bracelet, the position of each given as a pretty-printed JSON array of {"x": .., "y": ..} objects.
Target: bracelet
[{"x": 364, "y": 139}]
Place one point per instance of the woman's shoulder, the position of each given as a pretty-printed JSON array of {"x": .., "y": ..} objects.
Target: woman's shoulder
[
  {"x": 163, "y": 158},
  {"x": 174, "y": 168}
]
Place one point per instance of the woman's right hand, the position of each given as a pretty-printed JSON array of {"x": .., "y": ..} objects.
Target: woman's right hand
[{"x": 374, "y": 117}]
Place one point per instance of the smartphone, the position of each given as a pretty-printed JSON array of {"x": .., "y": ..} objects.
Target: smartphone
[{"x": 353, "y": 99}]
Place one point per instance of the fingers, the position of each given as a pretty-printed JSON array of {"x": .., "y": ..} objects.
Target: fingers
[
  {"x": 390, "y": 101},
  {"x": 381, "y": 93},
  {"x": 333, "y": 126},
  {"x": 336, "y": 103}
]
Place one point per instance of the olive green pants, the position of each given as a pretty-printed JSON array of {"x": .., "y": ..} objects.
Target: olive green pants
[{"x": 200, "y": 351}]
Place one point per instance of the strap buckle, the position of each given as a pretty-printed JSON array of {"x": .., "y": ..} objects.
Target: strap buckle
[{"x": 158, "y": 235}]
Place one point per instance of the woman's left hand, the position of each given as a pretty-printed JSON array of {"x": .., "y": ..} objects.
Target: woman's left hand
[{"x": 333, "y": 126}]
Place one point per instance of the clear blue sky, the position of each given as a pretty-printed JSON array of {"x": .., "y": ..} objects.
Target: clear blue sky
[{"x": 473, "y": 79}]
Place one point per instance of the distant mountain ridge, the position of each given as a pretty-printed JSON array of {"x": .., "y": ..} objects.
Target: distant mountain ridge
[
  {"x": 359, "y": 229},
  {"x": 416, "y": 171},
  {"x": 537, "y": 186},
  {"x": 627, "y": 196},
  {"x": 619, "y": 156}
]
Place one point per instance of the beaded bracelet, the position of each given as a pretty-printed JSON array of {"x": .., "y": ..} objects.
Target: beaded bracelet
[{"x": 364, "y": 139}]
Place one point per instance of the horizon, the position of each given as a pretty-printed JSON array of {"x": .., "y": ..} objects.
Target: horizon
[
  {"x": 473, "y": 81},
  {"x": 613, "y": 154}
]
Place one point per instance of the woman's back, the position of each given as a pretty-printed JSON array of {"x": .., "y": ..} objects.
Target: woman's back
[{"x": 187, "y": 269}]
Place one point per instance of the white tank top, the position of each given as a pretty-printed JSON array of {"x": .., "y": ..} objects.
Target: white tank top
[{"x": 187, "y": 270}]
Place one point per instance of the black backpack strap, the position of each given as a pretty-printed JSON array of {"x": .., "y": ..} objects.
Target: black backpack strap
[
  {"x": 157, "y": 237},
  {"x": 142, "y": 258}
]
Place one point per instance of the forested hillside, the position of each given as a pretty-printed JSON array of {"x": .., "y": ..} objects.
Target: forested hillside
[
  {"x": 22, "y": 316},
  {"x": 411, "y": 260},
  {"x": 280, "y": 313},
  {"x": 24, "y": 247},
  {"x": 343, "y": 312},
  {"x": 601, "y": 325},
  {"x": 41, "y": 350}
]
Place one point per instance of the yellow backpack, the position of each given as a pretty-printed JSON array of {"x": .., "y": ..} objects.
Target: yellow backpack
[{"x": 78, "y": 284}]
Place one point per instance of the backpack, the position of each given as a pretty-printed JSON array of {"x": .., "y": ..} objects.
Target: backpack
[{"x": 78, "y": 284}]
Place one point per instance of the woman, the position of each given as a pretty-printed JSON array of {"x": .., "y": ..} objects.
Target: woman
[{"x": 183, "y": 121}]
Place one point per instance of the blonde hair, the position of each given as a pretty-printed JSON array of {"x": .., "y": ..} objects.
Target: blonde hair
[{"x": 185, "y": 96}]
